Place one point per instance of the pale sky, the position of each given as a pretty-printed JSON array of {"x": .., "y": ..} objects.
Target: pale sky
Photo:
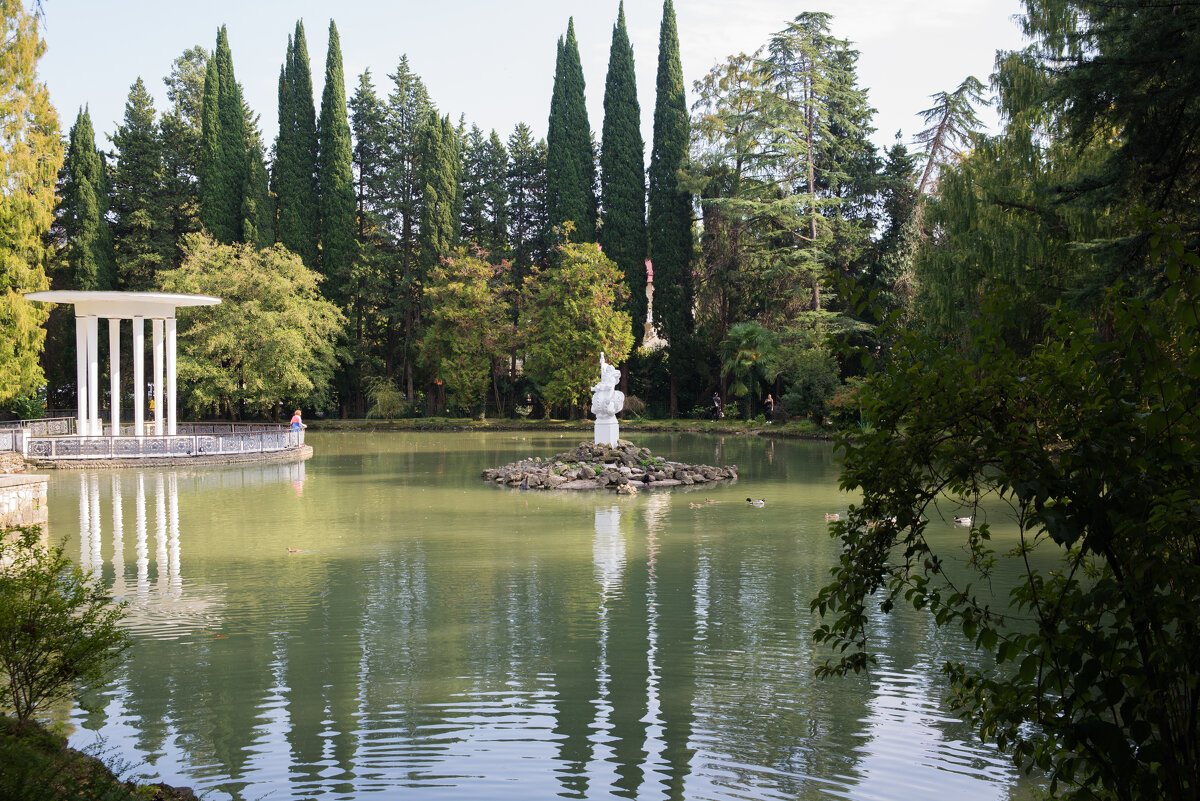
[{"x": 493, "y": 60}]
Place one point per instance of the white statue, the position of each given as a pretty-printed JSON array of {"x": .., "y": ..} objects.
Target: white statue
[{"x": 607, "y": 400}]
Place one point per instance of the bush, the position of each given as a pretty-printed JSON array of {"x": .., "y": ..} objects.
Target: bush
[
  {"x": 57, "y": 629},
  {"x": 634, "y": 406},
  {"x": 387, "y": 401}
]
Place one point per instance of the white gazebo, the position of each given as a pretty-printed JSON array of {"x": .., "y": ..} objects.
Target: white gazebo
[{"x": 159, "y": 308}]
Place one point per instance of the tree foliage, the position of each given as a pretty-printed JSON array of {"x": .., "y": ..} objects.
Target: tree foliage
[
  {"x": 336, "y": 179},
  {"x": 469, "y": 331},
  {"x": 84, "y": 235},
  {"x": 58, "y": 631},
  {"x": 142, "y": 238},
  {"x": 570, "y": 316},
  {"x": 30, "y": 155},
  {"x": 223, "y": 163},
  {"x": 269, "y": 342}
]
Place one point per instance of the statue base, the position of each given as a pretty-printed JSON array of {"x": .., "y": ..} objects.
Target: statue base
[{"x": 607, "y": 432}]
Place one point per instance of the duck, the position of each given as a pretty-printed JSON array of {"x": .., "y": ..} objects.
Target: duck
[
  {"x": 709, "y": 500},
  {"x": 294, "y": 550},
  {"x": 962, "y": 521},
  {"x": 696, "y": 505},
  {"x": 832, "y": 516},
  {"x": 759, "y": 503},
  {"x": 524, "y": 482},
  {"x": 646, "y": 479}
]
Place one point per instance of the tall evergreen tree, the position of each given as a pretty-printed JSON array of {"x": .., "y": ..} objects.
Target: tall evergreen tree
[
  {"x": 336, "y": 177},
  {"x": 473, "y": 219},
  {"x": 179, "y": 134},
  {"x": 528, "y": 220},
  {"x": 495, "y": 190},
  {"x": 258, "y": 210},
  {"x": 30, "y": 155},
  {"x": 223, "y": 164},
  {"x": 295, "y": 164},
  {"x": 439, "y": 195},
  {"x": 484, "y": 195},
  {"x": 87, "y": 245},
  {"x": 570, "y": 159},
  {"x": 669, "y": 220},
  {"x": 142, "y": 235},
  {"x": 622, "y": 174}
]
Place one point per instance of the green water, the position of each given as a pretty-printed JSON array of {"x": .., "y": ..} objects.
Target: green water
[{"x": 378, "y": 622}]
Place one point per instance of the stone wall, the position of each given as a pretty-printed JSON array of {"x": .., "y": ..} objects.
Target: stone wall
[{"x": 22, "y": 500}]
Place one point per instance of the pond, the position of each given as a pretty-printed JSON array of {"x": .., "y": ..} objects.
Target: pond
[{"x": 380, "y": 622}]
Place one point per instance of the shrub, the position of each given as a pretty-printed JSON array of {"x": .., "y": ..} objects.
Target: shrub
[
  {"x": 634, "y": 406},
  {"x": 813, "y": 380},
  {"x": 57, "y": 629}
]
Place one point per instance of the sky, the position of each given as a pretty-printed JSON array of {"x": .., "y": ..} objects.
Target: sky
[{"x": 493, "y": 60}]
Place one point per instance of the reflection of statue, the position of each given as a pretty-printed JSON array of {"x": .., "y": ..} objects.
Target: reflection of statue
[{"x": 607, "y": 400}]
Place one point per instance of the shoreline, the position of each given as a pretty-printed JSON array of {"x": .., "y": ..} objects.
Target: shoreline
[{"x": 803, "y": 430}]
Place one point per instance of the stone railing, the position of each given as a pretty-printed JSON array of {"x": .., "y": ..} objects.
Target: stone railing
[{"x": 192, "y": 439}]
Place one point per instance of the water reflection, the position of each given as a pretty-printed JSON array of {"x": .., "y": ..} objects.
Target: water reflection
[{"x": 388, "y": 630}]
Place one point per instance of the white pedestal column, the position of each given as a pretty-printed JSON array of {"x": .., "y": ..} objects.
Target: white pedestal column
[
  {"x": 171, "y": 393},
  {"x": 139, "y": 376},
  {"x": 92, "y": 324},
  {"x": 81, "y": 376},
  {"x": 114, "y": 374},
  {"x": 156, "y": 334}
]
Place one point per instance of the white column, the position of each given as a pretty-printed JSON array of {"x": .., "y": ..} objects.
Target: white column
[
  {"x": 114, "y": 374},
  {"x": 93, "y": 368},
  {"x": 171, "y": 394},
  {"x": 139, "y": 376},
  {"x": 81, "y": 376},
  {"x": 156, "y": 336}
]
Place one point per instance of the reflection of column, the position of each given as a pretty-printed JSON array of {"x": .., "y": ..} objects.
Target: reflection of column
[
  {"x": 143, "y": 563},
  {"x": 81, "y": 427},
  {"x": 160, "y": 531},
  {"x": 176, "y": 580},
  {"x": 114, "y": 374},
  {"x": 94, "y": 492},
  {"x": 118, "y": 538},
  {"x": 139, "y": 376},
  {"x": 171, "y": 393},
  {"x": 92, "y": 326},
  {"x": 85, "y": 524},
  {"x": 156, "y": 337}
]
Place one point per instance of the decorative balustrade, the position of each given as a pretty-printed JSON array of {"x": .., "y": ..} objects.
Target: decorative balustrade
[{"x": 193, "y": 439}]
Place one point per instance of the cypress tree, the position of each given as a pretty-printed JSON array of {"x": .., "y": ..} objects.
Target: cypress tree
[
  {"x": 439, "y": 179},
  {"x": 223, "y": 173},
  {"x": 258, "y": 210},
  {"x": 670, "y": 209},
  {"x": 527, "y": 217},
  {"x": 141, "y": 237},
  {"x": 622, "y": 174},
  {"x": 295, "y": 164},
  {"x": 570, "y": 159},
  {"x": 336, "y": 177},
  {"x": 83, "y": 213},
  {"x": 495, "y": 190}
]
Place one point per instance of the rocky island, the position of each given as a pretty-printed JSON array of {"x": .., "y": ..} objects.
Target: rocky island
[{"x": 624, "y": 468}]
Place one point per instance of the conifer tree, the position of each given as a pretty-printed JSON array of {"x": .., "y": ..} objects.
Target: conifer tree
[
  {"x": 570, "y": 160},
  {"x": 142, "y": 236},
  {"x": 622, "y": 174},
  {"x": 474, "y": 202},
  {"x": 369, "y": 126},
  {"x": 179, "y": 134},
  {"x": 30, "y": 156},
  {"x": 258, "y": 210},
  {"x": 336, "y": 177},
  {"x": 295, "y": 165},
  {"x": 83, "y": 213},
  {"x": 528, "y": 220},
  {"x": 223, "y": 164},
  {"x": 439, "y": 180},
  {"x": 669, "y": 221},
  {"x": 495, "y": 190}
]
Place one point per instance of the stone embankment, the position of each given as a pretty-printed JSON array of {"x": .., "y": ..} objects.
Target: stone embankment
[{"x": 625, "y": 469}]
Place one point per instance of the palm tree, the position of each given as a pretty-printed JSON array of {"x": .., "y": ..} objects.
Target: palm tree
[{"x": 746, "y": 357}]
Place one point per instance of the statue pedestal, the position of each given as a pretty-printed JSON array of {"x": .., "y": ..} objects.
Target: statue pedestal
[{"x": 607, "y": 432}]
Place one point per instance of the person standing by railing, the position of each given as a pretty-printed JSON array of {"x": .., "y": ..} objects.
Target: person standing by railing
[{"x": 297, "y": 423}]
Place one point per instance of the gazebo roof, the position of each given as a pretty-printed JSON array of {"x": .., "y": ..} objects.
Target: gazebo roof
[{"x": 123, "y": 304}]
